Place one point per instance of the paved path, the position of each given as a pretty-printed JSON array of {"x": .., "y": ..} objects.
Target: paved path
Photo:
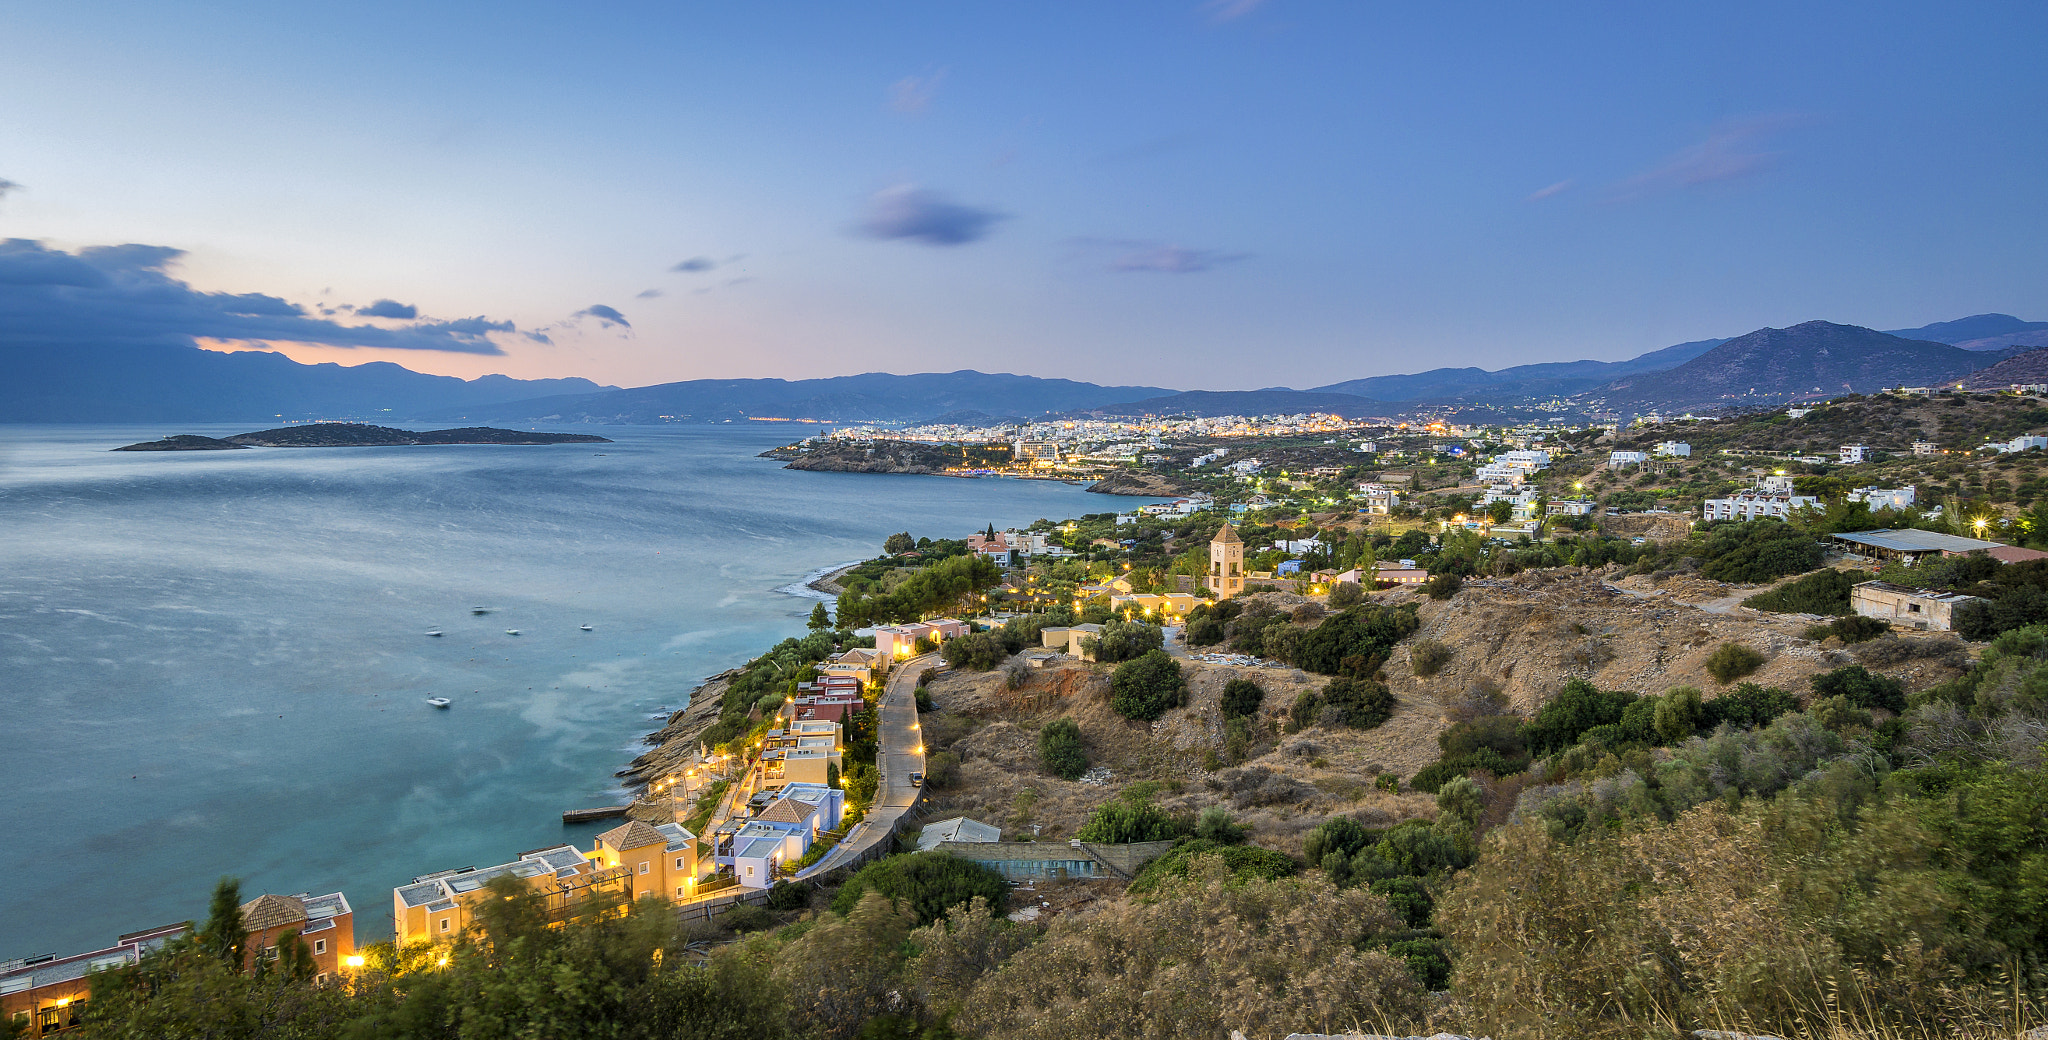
[{"x": 899, "y": 753}]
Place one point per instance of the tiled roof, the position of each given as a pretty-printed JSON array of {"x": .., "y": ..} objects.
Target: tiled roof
[
  {"x": 784, "y": 811},
  {"x": 272, "y": 911},
  {"x": 632, "y": 836},
  {"x": 1226, "y": 535}
]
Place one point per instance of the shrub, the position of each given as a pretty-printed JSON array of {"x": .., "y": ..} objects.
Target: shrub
[
  {"x": 941, "y": 769},
  {"x": 1678, "y": 715},
  {"x": 1822, "y": 592},
  {"x": 1203, "y": 632},
  {"x": 1461, "y": 797},
  {"x": 1339, "y": 834},
  {"x": 1443, "y": 586},
  {"x": 1366, "y": 704},
  {"x": 1578, "y": 708},
  {"x": 1428, "y": 657},
  {"x": 1863, "y": 688},
  {"x": 928, "y": 883},
  {"x": 1127, "y": 641},
  {"x": 1355, "y": 642},
  {"x": 787, "y": 896},
  {"x": 1408, "y": 897},
  {"x": 1242, "y": 697},
  {"x": 746, "y": 917},
  {"x": 1387, "y": 782},
  {"x": 1143, "y": 689},
  {"x": 1125, "y": 820},
  {"x": 1757, "y": 550},
  {"x": 976, "y": 651},
  {"x": 1243, "y": 861},
  {"x": 1732, "y": 661},
  {"x": 1749, "y": 705},
  {"x": 1216, "y": 825},
  {"x": 1060, "y": 750},
  {"x": 1346, "y": 594},
  {"x": 1307, "y": 705}
]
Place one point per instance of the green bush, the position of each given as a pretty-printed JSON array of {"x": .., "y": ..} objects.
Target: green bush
[
  {"x": 1409, "y": 897},
  {"x": 1822, "y": 592},
  {"x": 1216, "y": 825},
  {"x": 1732, "y": 661},
  {"x": 1366, "y": 704},
  {"x": 1354, "y": 642},
  {"x": 1578, "y": 708},
  {"x": 1443, "y": 586},
  {"x": 1863, "y": 688},
  {"x": 1428, "y": 657},
  {"x": 1346, "y": 594},
  {"x": 975, "y": 651},
  {"x": 1143, "y": 689},
  {"x": 787, "y": 896},
  {"x": 929, "y": 883},
  {"x": 1241, "y": 698},
  {"x": 1307, "y": 705},
  {"x": 1060, "y": 750},
  {"x": 1244, "y": 861},
  {"x": 1749, "y": 551},
  {"x": 1203, "y": 632},
  {"x": 1749, "y": 705},
  {"x": 1124, "y": 821},
  {"x": 1127, "y": 641},
  {"x": 746, "y": 917}
]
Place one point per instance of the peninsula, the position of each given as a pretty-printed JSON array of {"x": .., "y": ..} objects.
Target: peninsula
[{"x": 358, "y": 435}]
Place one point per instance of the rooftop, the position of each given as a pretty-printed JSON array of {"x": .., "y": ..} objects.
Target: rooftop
[
  {"x": 1916, "y": 541},
  {"x": 1908, "y": 590}
]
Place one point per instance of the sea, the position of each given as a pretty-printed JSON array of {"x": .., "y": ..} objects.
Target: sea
[{"x": 216, "y": 663}]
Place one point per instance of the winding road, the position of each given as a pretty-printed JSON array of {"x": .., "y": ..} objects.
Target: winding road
[{"x": 899, "y": 753}]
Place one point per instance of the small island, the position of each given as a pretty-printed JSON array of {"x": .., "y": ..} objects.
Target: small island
[{"x": 358, "y": 435}]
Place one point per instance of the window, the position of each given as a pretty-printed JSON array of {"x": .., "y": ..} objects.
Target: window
[
  {"x": 643, "y": 866},
  {"x": 319, "y": 946},
  {"x": 445, "y": 922},
  {"x": 320, "y": 979},
  {"x": 750, "y": 872},
  {"x": 679, "y": 863},
  {"x": 679, "y": 891}
]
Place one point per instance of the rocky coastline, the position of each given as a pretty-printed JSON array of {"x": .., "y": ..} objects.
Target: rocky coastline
[{"x": 358, "y": 435}]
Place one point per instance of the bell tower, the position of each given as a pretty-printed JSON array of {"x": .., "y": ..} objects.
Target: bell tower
[{"x": 1226, "y": 563}]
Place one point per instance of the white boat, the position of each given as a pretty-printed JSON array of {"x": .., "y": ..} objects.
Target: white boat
[
  {"x": 586, "y": 628},
  {"x": 511, "y": 631},
  {"x": 438, "y": 702},
  {"x": 435, "y": 632}
]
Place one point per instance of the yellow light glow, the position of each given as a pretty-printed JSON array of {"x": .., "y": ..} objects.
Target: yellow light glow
[
  {"x": 354, "y": 961},
  {"x": 443, "y": 962}
]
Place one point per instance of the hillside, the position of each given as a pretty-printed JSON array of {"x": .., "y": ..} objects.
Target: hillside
[
  {"x": 1982, "y": 332},
  {"x": 1277, "y": 401},
  {"x": 167, "y": 383},
  {"x": 1772, "y": 366},
  {"x": 870, "y": 397},
  {"x": 2019, "y": 369},
  {"x": 1542, "y": 380}
]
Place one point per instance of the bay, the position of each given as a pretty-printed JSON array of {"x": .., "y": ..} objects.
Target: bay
[{"x": 215, "y": 663}]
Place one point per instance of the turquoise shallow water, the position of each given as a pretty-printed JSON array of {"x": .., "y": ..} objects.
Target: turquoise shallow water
[{"x": 215, "y": 662}]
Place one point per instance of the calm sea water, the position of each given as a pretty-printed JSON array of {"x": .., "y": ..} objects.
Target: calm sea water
[{"x": 215, "y": 662}]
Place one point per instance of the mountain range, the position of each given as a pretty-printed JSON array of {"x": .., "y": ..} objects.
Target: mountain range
[{"x": 1768, "y": 366}]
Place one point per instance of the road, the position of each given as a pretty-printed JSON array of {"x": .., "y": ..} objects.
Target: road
[{"x": 899, "y": 752}]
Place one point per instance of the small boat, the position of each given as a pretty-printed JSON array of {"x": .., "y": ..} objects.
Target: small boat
[
  {"x": 586, "y": 628},
  {"x": 438, "y": 702},
  {"x": 435, "y": 632},
  {"x": 479, "y": 610},
  {"x": 511, "y": 631}
]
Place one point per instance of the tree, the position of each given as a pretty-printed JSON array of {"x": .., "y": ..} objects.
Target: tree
[
  {"x": 1461, "y": 798},
  {"x": 899, "y": 543},
  {"x": 1143, "y": 689},
  {"x": 1862, "y": 687},
  {"x": 820, "y": 620},
  {"x": 1500, "y": 512},
  {"x": 927, "y": 883},
  {"x": 1346, "y": 594},
  {"x": 976, "y": 651},
  {"x": 1679, "y": 715},
  {"x": 1125, "y": 640},
  {"x": 1366, "y": 704},
  {"x": 1578, "y": 708},
  {"x": 1124, "y": 821},
  {"x": 1060, "y": 750},
  {"x": 1242, "y": 697},
  {"x": 1444, "y": 585},
  {"x": 223, "y": 935},
  {"x": 1206, "y": 631}
]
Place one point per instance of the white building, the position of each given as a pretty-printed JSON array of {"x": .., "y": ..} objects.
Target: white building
[
  {"x": 1798, "y": 413},
  {"x": 1036, "y": 451},
  {"x": 1673, "y": 449},
  {"x": 959, "y": 828},
  {"x": 1855, "y": 453},
  {"x": 1379, "y": 499},
  {"x": 1777, "y": 484},
  {"x": 1619, "y": 459},
  {"x": 2024, "y": 443},
  {"x": 1884, "y": 498},
  {"x": 1749, "y": 505},
  {"x": 1926, "y": 448},
  {"x": 1245, "y": 467},
  {"x": 1572, "y": 507}
]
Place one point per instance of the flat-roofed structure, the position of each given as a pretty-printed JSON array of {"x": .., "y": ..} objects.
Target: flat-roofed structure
[
  {"x": 49, "y": 994},
  {"x": 437, "y": 906},
  {"x": 1910, "y": 545},
  {"x": 960, "y": 829},
  {"x": 1903, "y": 605}
]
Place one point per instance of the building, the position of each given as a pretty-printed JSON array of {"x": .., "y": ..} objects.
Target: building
[
  {"x": 1226, "y": 563},
  {"x": 1068, "y": 640},
  {"x": 896, "y": 642},
  {"x": 1401, "y": 572},
  {"x": 1572, "y": 507},
  {"x": 2023, "y": 444},
  {"x": 437, "y": 906},
  {"x": 1855, "y": 453},
  {"x": 1378, "y": 499},
  {"x": 1910, "y": 546},
  {"x": 325, "y": 923},
  {"x": 2015, "y": 554},
  {"x": 771, "y": 841},
  {"x": 960, "y": 829},
  {"x": 47, "y": 994},
  {"x": 1673, "y": 450},
  {"x": 1167, "y": 604},
  {"x": 1776, "y": 484},
  {"x": 1036, "y": 451},
  {"x": 1245, "y": 467},
  {"x": 658, "y": 859},
  {"x": 858, "y": 663},
  {"x": 1901, "y": 605},
  {"x": 1926, "y": 448},
  {"x": 1884, "y": 498},
  {"x": 1756, "y": 505},
  {"x": 1620, "y": 459}
]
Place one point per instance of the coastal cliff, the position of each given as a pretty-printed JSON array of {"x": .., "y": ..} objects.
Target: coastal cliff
[
  {"x": 1140, "y": 482},
  {"x": 884, "y": 457}
]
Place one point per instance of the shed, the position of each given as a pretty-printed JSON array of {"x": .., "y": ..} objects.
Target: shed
[
  {"x": 1910, "y": 545},
  {"x": 1900, "y": 604},
  {"x": 960, "y": 829}
]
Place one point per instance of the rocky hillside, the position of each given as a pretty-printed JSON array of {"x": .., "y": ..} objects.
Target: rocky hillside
[
  {"x": 1772, "y": 366},
  {"x": 2029, "y": 367}
]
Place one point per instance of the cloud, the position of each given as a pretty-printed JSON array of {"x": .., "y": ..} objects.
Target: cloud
[
  {"x": 647, "y": 294},
  {"x": 694, "y": 265},
  {"x": 1231, "y": 10},
  {"x": 922, "y": 215},
  {"x": 605, "y": 316},
  {"x": 1554, "y": 189},
  {"x": 389, "y": 309},
  {"x": 7, "y": 186},
  {"x": 911, "y": 95},
  {"x": 122, "y": 296},
  {"x": 1732, "y": 150},
  {"x": 1137, "y": 255}
]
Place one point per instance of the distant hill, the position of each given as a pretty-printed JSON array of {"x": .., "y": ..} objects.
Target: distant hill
[
  {"x": 2028, "y": 367},
  {"x": 1206, "y": 403},
  {"x": 1982, "y": 332},
  {"x": 872, "y": 397},
  {"x": 151, "y": 383},
  {"x": 1550, "y": 379},
  {"x": 1772, "y": 366},
  {"x": 359, "y": 435}
]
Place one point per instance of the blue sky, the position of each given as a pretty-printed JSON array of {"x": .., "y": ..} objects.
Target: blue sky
[{"x": 1192, "y": 194}]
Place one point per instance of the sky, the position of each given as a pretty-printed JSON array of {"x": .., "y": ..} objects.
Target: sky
[{"x": 1199, "y": 194}]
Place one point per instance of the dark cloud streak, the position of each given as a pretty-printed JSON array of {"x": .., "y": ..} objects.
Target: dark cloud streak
[{"x": 910, "y": 213}]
